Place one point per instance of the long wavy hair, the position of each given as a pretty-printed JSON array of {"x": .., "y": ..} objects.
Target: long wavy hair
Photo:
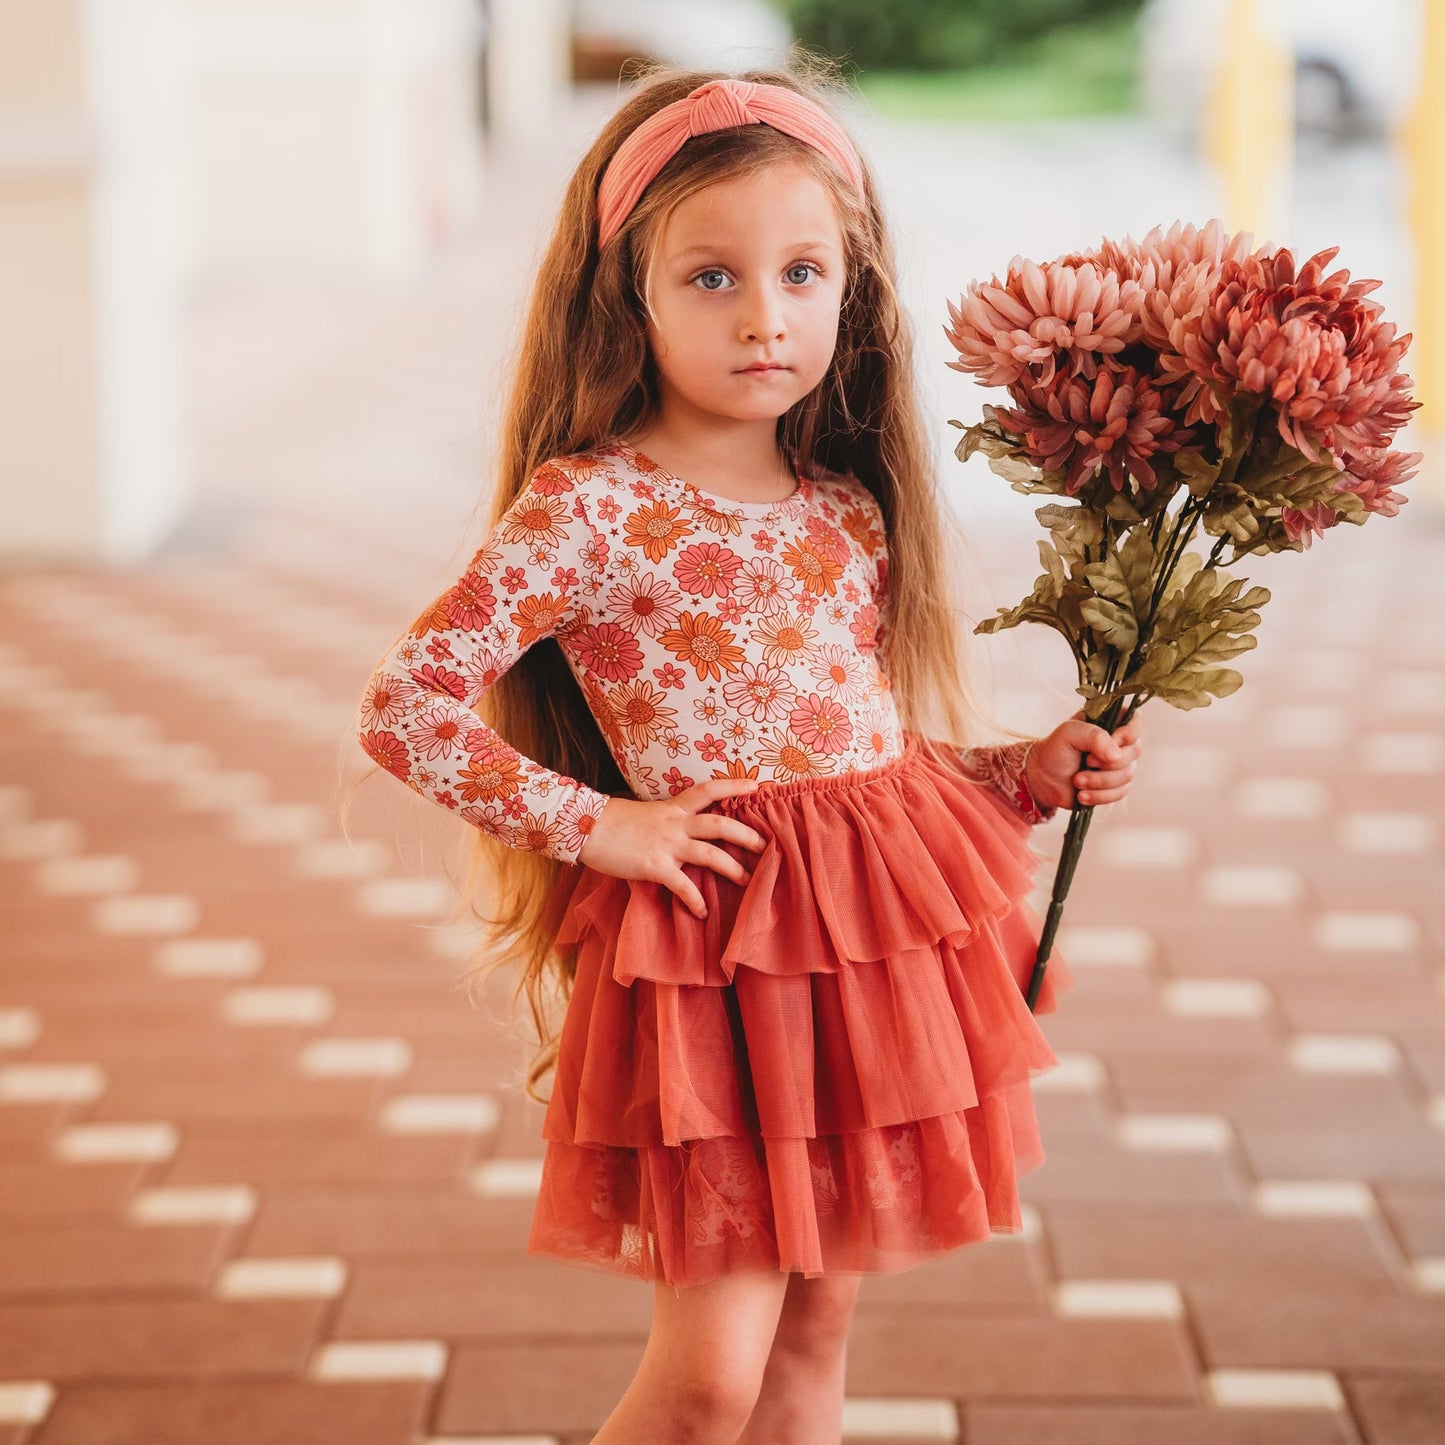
[{"x": 582, "y": 375}]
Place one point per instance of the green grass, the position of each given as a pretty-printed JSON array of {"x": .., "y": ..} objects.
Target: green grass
[{"x": 1074, "y": 70}]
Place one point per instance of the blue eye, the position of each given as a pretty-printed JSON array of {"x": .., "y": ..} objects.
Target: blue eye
[
  {"x": 711, "y": 271},
  {"x": 806, "y": 267}
]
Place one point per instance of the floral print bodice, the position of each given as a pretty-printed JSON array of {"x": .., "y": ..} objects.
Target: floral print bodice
[{"x": 711, "y": 638}]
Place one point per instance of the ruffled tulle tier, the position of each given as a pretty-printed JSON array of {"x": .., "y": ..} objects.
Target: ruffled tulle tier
[{"x": 828, "y": 1074}]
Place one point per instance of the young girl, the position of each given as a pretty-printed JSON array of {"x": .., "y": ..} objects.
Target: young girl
[{"x": 689, "y": 682}]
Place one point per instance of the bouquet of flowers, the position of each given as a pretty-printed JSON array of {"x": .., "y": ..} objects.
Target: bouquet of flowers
[{"x": 1181, "y": 387}]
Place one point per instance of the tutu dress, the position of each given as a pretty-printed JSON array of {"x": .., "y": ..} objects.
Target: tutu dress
[{"x": 830, "y": 1073}]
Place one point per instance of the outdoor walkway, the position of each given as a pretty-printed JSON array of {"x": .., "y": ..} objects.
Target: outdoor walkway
[{"x": 265, "y": 1176}]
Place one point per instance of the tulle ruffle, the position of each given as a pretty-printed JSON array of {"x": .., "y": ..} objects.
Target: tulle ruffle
[{"x": 830, "y": 1073}]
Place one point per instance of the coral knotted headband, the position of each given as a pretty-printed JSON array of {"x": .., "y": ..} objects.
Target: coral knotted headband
[{"x": 716, "y": 105}]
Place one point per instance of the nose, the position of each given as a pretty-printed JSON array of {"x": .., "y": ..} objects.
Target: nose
[{"x": 762, "y": 321}]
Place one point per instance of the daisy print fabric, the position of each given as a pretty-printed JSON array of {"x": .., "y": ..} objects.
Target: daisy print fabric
[{"x": 711, "y": 638}]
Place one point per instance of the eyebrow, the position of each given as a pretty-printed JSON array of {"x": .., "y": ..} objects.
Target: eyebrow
[{"x": 720, "y": 249}]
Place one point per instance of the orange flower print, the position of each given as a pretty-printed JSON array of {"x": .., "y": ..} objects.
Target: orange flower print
[
  {"x": 790, "y": 757},
  {"x": 814, "y": 564},
  {"x": 538, "y": 616},
  {"x": 736, "y": 768},
  {"x": 713, "y": 519},
  {"x": 857, "y": 522},
  {"x": 608, "y": 651},
  {"x": 586, "y": 465},
  {"x": 647, "y": 603},
  {"x": 535, "y": 833},
  {"x": 760, "y": 691},
  {"x": 533, "y": 521},
  {"x": 822, "y": 723},
  {"x": 640, "y": 712},
  {"x": 786, "y": 637},
  {"x": 704, "y": 642},
  {"x": 493, "y": 769},
  {"x": 707, "y": 569},
  {"x": 657, "y": 528},
  {"x": 388, "y": 751}
]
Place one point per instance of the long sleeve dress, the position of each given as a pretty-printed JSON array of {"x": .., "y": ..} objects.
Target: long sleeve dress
[{"x": 711, "y": 638}]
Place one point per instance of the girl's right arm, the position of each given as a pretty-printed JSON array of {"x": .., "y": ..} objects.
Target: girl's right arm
[{"x": 536, "y": 574}]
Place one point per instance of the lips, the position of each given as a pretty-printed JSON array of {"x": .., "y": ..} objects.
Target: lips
[{"x": 766, "y": 366}]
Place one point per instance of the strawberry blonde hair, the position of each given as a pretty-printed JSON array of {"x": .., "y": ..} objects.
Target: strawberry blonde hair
[{"x": 582, "y": 375}]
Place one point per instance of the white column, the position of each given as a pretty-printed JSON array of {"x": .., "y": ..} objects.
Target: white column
[
  {"x": 333, "y": 137},
  {"x": 93, "y": 463}
]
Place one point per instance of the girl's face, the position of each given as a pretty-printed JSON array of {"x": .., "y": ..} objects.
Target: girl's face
[{"x": 746, "y": 274}]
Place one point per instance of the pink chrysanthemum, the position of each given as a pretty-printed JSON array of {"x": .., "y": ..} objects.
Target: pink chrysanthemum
[{"x": 1311, "y": 343}]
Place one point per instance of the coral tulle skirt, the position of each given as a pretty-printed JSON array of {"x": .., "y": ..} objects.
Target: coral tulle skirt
[{"x": 831, "y": 1072}]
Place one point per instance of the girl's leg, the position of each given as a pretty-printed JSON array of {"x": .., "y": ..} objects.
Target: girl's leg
[
  {"x": 703, "y": 1365},
  {"x": 801, "y": 1401}
]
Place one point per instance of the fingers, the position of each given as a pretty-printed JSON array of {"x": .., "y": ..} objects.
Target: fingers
[
  {"x": 708, "y": 855},
  {"x": 718, "y": 825},
  {"x": 687, "y": 890}
]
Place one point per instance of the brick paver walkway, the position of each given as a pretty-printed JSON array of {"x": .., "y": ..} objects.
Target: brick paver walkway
[{"x": 267, "y": 1177}]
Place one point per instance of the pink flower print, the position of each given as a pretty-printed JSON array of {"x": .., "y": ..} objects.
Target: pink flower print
[
  {"x": 864, "y": 627},
  {"x": 670, "y": 675},
  {"x": 763, "y": 586},
  {"x": 822, "y": 723},
  {"x": 387, "y": 751},
  {"x": 446, "y": 799},
  {"x": 677, "y": 781},
  {"x": 764, "y": 541},
  {"x": 609, "y": 509},
  {"x": 675, "y": 743},
  {"x": 759, "y": 691},
  {"x": 515, "y": 580},
  {"x": 839, "y": 673},
  {"x": 609, "y": 651},
  {"x": 647, "y": 603},
  {"x": 435, "y": 733},
  {"x": 707, "y": 569},
  {"x": 470, "y": 605},
  {"x": 711, "y": 749},
  {"x": 387, "y": 701},
  {"x": 440, "y": 679},
  {"x": 439, "y": 649},
  {"x": 731, "y": 609}
]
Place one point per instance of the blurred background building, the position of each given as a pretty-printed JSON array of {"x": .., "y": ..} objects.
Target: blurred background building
[{"x": 155, "y": 151}]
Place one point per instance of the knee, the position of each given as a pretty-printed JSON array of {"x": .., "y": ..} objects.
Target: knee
[
  {"x": 712, "y": 1402},
  {"x": 815, "y": 1326}
]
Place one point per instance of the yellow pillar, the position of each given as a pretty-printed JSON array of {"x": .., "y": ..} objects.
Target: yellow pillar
[
  {"x": 1249, "y": 122},
  {"x": 1422, "y": 138}
]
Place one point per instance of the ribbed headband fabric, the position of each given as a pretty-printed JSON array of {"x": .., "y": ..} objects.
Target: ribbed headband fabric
[{"x": 715, "y": 105}]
